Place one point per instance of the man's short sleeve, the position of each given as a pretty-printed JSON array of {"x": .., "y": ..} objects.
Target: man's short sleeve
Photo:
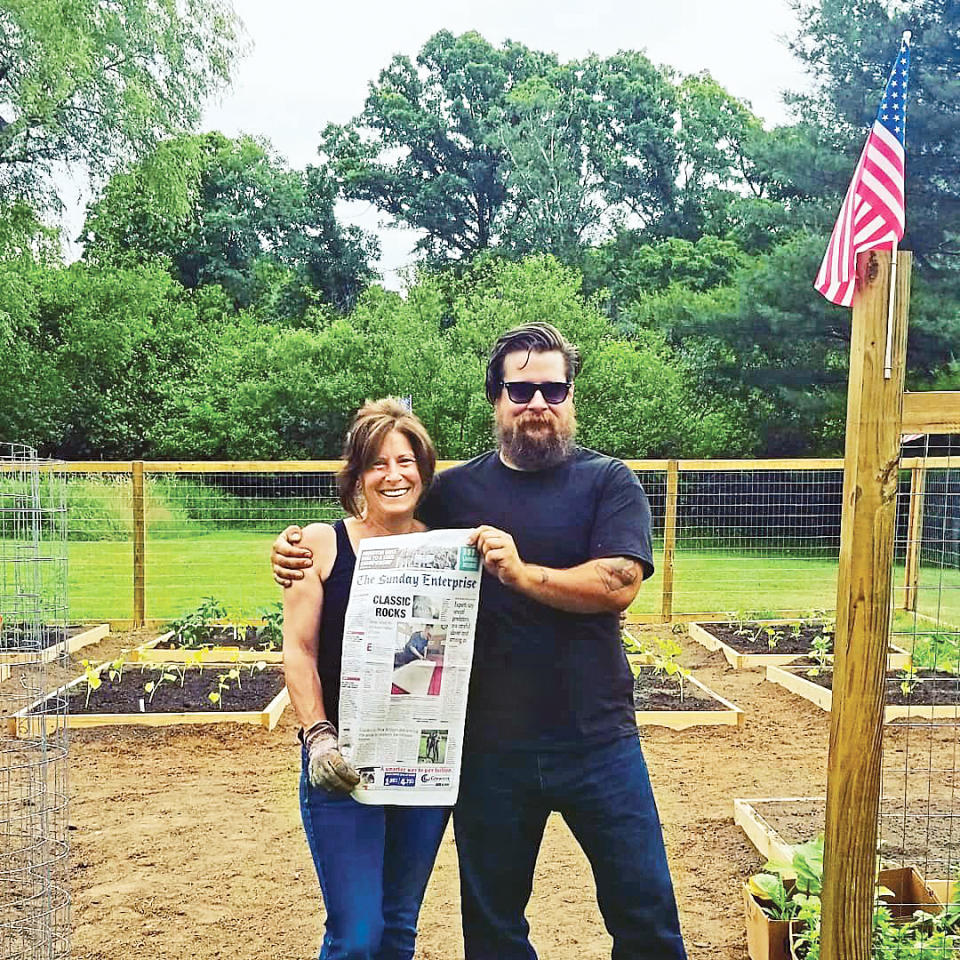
[
  {"x": 621, "y": 526},
  {"x": 429, "y": 509}
]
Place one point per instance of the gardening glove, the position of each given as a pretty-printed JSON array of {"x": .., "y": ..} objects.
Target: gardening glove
[{"x": 326, "y": 767}]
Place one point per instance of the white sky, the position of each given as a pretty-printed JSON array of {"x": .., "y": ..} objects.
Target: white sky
[{"x": 310, "y": 63}]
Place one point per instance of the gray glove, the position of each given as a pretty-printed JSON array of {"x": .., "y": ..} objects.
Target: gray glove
[{"x": 326, "y": 767}]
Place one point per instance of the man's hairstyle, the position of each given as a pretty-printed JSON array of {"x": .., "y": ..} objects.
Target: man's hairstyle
[
  {"x": 534, "y": 338},
  {"x": 373, "y": 422}
]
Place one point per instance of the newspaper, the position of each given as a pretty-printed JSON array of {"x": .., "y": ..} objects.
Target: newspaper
[{"x": 407, "y": 651}]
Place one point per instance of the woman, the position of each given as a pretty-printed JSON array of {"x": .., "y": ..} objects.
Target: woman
[{"x": 373, "y": 862}]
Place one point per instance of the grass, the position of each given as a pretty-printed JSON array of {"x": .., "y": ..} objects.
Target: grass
[{"x": 233, "y": 566}]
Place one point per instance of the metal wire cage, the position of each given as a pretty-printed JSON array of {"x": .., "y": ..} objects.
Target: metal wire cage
[{"x": 34, "y": 895}]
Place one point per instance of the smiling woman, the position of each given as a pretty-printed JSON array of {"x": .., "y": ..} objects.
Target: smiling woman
[{"x": 389, "y": 463}]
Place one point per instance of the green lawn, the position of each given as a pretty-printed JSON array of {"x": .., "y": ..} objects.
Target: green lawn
[{"x": 234, "y": 568}]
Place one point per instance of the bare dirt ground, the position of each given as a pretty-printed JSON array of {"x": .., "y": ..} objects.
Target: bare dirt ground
[{"x": 186, "y": 841}]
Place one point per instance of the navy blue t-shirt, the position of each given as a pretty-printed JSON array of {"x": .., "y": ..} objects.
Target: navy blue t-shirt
[{"x": 544, "y": 678}]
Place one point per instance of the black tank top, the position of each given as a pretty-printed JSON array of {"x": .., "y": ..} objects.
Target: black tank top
[{"x": 336, "y": 593}]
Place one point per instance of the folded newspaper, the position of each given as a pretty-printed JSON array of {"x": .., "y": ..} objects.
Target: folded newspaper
[{"x": 405, "y": 672}]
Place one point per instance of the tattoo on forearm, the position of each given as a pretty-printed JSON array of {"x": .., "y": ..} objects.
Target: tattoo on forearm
[
  {"x": 544, "y": 576},
  {"x": 618, "y": 573}
]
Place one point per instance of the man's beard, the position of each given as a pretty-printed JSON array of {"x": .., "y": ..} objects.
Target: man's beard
[{"x": 536, "y": 443}]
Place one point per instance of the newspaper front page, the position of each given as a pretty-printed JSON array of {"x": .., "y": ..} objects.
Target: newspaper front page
[{"x": 405, "y": 672}]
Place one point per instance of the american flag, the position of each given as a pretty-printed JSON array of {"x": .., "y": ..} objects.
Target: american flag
[{"x": 871, "y": 217}]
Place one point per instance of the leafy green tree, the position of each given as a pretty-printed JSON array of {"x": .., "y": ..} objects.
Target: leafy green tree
[
  {"x": 236, "y": 215},
  {"x": 86, "y": 82}
]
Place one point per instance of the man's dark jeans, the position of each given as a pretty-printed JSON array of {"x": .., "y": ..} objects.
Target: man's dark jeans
[{"x": 604, "y": 795}]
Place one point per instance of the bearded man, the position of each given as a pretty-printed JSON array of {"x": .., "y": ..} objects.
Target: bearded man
[{"x": 565, "y": 537}]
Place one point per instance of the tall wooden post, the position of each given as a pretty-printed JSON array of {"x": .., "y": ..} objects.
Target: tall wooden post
[
  {"x": 139, "y": 546},
  {"x": 863, "y": 612},
  {"x": 911, "y": 571},
  {"x": 669, "y": 540}
]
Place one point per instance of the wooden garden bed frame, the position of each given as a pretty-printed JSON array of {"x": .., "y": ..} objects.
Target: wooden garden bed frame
[
  {"x": 147, "y": 653},
  {"x": 897, "y": 658},
  {"x": 772, "y": 846},
  {"x": 730, "y": 716},
  {"x": 823, "y": 698},
  {"x": 21, "y": 724},
  {"x": 87, "y": 636}
]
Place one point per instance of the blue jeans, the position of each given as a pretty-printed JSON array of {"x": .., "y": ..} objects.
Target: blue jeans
[
  {"x": 604, "y": 795},
  {"x": 373, "y": 863}
]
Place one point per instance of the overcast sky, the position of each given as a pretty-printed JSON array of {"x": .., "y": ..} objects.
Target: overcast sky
[{"x": 309, "y": 63}]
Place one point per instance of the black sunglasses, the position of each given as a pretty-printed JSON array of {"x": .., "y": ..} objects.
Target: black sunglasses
[{"x": 522, "y": 391}]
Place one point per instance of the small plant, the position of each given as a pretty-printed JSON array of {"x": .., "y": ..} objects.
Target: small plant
[
  {"x": 115, "y": 670},
  {"x": 908, "y": 682},
  {"x": 190, "y": 630},
  {"x": 224, "y": 682},
  {"x": 92, "y": 677},
  {"x": 774, "y": 636},
  {"x": 666, "y": 661},
  {"x": 822, "y": 645},
  {"x": 163, "y": 676},
  {"x": 270, "y": 634}
]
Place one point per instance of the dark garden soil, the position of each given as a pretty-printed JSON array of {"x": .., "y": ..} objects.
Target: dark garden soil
[
  {"x": 926, "y": 687},
  {"x": 243, "y": 637},
  {"x": 786, "y": 641},
  {"x": 651, "y": 692},
  {"x": 126, "y": 696},
  {"x": 927, "y": 838},
  {"x": 16, "y": 636},
  {"x": 186, "y": 841}
]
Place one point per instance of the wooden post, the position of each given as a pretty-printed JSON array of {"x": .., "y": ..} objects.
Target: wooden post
[
  {"x": 863, "y": 611},
  {"x": 139, "y": 545},
  {"x": 669, "y": 540},
  {"x": 911, "y": 572}
]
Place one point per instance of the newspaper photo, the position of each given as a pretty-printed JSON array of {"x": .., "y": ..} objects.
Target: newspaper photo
[{"x": 405, "y": 671}]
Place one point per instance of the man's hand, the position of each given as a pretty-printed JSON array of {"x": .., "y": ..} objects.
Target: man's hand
[
  {"x": 326, "y": 767},
  {"x": 287, "y": 558},
  {"x": 499, "y": 554}
]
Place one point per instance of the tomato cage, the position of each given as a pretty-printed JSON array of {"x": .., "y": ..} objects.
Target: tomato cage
[{"x": 34, "y": 895}]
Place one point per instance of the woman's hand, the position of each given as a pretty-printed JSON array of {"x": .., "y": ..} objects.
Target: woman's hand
[{"x": 326, "y": 766}]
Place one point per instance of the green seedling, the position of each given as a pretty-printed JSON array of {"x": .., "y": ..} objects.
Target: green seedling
[
  {"x": 115, "y": 670},
  {"x": 190, "y": 630},
  {"x": 822, "y": 646},
  {"x": 774, "y": 636},
  {"x": 224, "y": 681},
  {"x": 270, "y": 634},
  {"x": 152, "y": 686},
  {"x": 908, "y": 683},
  {"x": 666, "y": 661},
  {"x": 92, "y": 677}
]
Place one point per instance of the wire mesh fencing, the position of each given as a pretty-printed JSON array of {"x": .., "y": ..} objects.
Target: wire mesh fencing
[
  {"x": 919, "y": 817},
  {"x": 34, "y": 897}
]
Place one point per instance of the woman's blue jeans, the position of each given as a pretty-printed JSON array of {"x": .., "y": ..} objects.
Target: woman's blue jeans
[
  {"x": 373, "y": 863},
  {"x": 604, "y": 795}
]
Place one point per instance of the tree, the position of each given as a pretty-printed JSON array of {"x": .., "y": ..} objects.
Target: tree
[
  {"x": 505, "y": 147},
  {"x": 231, "y": 212},
  {"x": 86, "y": 82}
]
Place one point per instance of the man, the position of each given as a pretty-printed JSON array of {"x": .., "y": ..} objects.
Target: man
[
  {"x": 415, "y": 648},
  {"x": 565, "y": 538}
]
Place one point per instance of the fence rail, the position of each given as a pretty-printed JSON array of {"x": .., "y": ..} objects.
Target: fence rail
[{"x": 149, "y": 539}]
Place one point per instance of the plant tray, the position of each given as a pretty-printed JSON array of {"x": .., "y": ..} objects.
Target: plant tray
[
  {"x": 715, "y": 710},
  {"x": 774, "y": 824},
  {"x": 823, "y": 697},
  {"x": 269, "y": 682},
  {"x": 78, "y": 637},
  {"x": 897, "y": 659},
  {"x": 214, "y": 653}
]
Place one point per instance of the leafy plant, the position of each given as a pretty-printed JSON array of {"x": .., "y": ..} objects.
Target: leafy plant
[
  {"x": 270, "y": 634},
  {"x": 163, "y": 675},
  {"x": 774, "y": 636},
  {"x": 908, "y": 682},
  {"x": 115, "y": 670},
  {"x": 190, "y": 630},
  {"x": 822, "y": 646},
  {"x": 92, "y": 678},
  {"x": 666, "y": 662},
  {"x": 224, "y": 682}
]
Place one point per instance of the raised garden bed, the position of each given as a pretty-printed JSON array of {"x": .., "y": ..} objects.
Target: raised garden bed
[
  {"x": 928, "y": 838},
  {"x": 934, "y": 696},
  {"x": 259, "y": 699},
  {"x": 656, "y": 699},
  {"x": 743, "y": 653},
  {"x": 16, "y": 647},
  {"x": 769, "y": 939},
  {"x": 226, "y": 645}
]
